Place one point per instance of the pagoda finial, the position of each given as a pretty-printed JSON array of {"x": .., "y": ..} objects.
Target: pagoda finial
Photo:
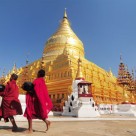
[
  {"x": 14, "y": 69},
  {"x": 3, "y": 73},
  {"x": 121, "y": 58},
  {"x": 27, "y": 60},
  {"x": 127, "y": 68},
  {"x": 65, "y": 14},
  {"x": 79, "y": 71},
  {"x": 42, "y": 61},
  {"x": 134, "y": 73},
  {"x": 133, "y": 76},
  {"x": 110, "y": 72}
]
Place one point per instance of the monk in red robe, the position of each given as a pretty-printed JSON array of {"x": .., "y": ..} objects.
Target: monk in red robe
[
  {"x": 1, "y": 94},
  {"x": 2, "y": 88},
  {"x": 38, "y": 103},
  {"x": 10, "y": 103}
]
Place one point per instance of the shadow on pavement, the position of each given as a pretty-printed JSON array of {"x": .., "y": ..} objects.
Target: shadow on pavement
[
  {"x": 10, "y": 129},
  {"x": 39, "y": 131}
]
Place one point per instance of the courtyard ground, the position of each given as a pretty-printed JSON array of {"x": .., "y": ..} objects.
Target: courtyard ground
[{"x": 68, "y": 126}]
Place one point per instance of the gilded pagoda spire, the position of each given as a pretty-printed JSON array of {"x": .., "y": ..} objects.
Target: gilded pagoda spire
[
  {"x": 123, "y": 79},
  {"x": 133, "y": 77},
  {"x": 42, "y": 62},
  {"x": 121, "y": 72},
  {"x": 65, "y": 14},
  {"x": 132, "y": 83},
  {"x": 2, "y": 79},
  {"x": 79, "y": 71},
  {"x": 64, "y": 36},
  {"x": 14, "y": 70}
]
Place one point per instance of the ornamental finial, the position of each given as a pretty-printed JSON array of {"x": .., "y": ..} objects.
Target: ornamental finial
[
  {"x": 121, "y": 58},
  {"x": 65, "y": 14}
]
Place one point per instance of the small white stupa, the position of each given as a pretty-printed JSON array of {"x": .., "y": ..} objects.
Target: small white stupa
[{"x": 80, "y": 103}]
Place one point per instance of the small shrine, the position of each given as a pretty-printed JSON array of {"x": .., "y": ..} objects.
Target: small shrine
[
  {"x": 80, "y": 103},
  {"x": 84, "y": 89}
]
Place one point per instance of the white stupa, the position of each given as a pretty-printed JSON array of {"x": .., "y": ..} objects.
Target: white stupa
[{"x": 80, "y": 103}]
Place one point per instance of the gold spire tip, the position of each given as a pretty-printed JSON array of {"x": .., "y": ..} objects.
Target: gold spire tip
[{"x": 65, "y": 14}]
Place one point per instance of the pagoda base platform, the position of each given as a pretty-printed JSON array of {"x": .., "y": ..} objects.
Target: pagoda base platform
[
  {"x": 85, "y": 107},
  {"x": 125, "y": 109}
]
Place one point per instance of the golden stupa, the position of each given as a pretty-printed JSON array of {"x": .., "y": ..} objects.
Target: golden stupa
[{"x": 60, "y": 60}]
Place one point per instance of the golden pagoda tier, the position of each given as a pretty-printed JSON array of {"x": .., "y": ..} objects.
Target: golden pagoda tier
[{"x": 60, "y": 61}]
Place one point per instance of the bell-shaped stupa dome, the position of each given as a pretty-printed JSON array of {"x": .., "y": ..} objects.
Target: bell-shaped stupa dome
[{"x": 62, "y": 38}]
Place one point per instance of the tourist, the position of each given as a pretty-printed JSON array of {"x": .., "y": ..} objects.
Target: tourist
[
  {"x": 38, "y": 103},
  {"x": 10, "y": 103}
]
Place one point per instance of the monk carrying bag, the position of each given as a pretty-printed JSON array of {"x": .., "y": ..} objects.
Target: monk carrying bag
[{"x": 28, "y": 86}]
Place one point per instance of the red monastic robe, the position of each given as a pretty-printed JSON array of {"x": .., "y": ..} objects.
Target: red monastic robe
[
  {"x": 38, "y": 104},
  {"x": 10, "y": 103},
  {"x": 1, "y": 94}
]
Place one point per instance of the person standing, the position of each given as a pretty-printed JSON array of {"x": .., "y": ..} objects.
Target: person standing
[
  {"x": 38, "y": 103},
  {"x": 10, "y": 103},
  {"x": 1, "y": 94}
]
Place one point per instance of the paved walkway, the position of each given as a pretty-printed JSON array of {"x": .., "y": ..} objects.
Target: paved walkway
[{"x": 102, "y": 126}]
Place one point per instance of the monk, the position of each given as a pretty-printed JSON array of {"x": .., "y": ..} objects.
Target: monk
[
  {"x": 10, "y": 103},
  {"x": 38, "y": 103},
  {"x": 1, "y": 94}
]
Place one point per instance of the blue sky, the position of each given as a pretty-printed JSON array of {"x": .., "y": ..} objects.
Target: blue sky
[{"x": 107, "y": 29}]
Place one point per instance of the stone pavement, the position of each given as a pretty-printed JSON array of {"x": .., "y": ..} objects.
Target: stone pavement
[{"x": 68, "y": 126}]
